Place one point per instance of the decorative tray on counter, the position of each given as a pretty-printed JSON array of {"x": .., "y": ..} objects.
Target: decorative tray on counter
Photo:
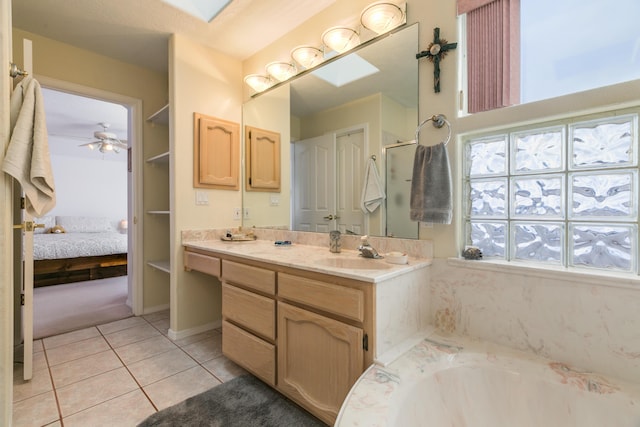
[{"x": 238, "y": 238}]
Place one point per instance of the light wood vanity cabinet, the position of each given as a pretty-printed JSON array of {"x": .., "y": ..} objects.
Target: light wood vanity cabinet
[
  {"x": 309, "y": 335},
  {"x": 319, "y": 359}
]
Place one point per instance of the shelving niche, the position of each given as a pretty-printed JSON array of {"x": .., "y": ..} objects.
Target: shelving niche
[{"x": 156, "y": 199}]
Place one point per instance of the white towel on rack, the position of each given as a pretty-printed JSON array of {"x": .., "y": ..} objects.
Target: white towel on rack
[
  {"x": 27, "y": 158},
  {"x": 372, "y": 191}
]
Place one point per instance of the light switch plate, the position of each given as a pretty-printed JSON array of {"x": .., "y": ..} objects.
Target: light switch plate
[{"x": 202, "y": 198}]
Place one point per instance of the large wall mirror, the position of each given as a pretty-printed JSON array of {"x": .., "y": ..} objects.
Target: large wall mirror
[{"x": 336, "y": 123}]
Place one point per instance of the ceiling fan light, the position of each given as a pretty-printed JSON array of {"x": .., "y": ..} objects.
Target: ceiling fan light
[
  {"x": 91, "y": 146},
  {"x": 107, "y": 146},
  {"x": 258, "y": 82},
  {"x": 281, "y": 71},
  {"x": 307, "y": 56},
  {"x": 340, "y": 39},
  {"x": 382, "y": 17}
]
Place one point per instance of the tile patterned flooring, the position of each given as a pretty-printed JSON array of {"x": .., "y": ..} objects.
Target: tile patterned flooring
[{"x": 116, "y": 374}]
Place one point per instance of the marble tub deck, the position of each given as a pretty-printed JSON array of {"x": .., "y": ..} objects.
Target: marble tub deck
[{"x": 453, "y": 380}]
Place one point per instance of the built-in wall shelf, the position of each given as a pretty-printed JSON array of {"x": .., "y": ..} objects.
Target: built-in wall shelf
[
  {"x": 159, "y": 212},
  {"x": 160, "y": 265},
  {"x": 161, "y": 116},
  {"x": 160, "y": 158}
]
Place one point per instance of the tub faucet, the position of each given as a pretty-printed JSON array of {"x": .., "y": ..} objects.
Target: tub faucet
[{"x": 366, "y": 250}]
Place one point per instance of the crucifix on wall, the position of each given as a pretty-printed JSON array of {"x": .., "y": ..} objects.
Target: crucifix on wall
[{"x": 436, "y": 51}]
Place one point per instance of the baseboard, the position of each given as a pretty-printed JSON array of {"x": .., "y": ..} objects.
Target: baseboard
[
  {"x": 149, "y": 310},
  {"x": 176, "y": 335}
]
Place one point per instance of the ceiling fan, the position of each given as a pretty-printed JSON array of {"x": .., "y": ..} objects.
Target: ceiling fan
[{"x": 106, "y": 141}]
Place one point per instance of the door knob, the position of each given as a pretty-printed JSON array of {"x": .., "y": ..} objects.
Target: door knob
[
  {"x": 331, "y": 217},
  {"x": 28, "y": 226}
]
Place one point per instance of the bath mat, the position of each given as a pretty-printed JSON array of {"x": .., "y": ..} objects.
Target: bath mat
[{"x": 244, "y": 401}]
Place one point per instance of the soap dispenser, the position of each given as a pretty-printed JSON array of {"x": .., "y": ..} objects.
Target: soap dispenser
[{"x": 334, "y": 241}]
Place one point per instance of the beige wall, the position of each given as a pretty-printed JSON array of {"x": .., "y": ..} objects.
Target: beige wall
[{"x": 204, "y": 81}]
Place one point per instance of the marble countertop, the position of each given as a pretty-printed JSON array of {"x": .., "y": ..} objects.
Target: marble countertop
[{"x": 312, "y": 258}]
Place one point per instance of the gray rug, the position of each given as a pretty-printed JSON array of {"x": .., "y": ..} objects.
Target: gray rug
[{"x": 244, "y": 401}]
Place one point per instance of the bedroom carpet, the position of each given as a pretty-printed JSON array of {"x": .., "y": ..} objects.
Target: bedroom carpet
[
  {"x": 244, "y": 401},
  {"x": 69, "y": 307}
]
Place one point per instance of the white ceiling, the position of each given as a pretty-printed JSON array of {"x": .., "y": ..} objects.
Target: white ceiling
[{"x": 137, "y": 32}]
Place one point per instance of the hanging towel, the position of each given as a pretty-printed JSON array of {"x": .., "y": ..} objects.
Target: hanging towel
[
  {"x": 431, "y": 185},
  {"x": 27, "y": 158},
  {"x": 372, "y": 190}
]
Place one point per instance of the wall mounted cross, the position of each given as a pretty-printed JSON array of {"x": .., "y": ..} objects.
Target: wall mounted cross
[{"x": 436, "y": 51}]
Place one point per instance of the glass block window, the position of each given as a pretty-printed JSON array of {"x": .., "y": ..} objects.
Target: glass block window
[{"x": 564, "y": 194}]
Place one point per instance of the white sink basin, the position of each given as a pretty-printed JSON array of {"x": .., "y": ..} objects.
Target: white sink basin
[{"x": 354, "y": 263}]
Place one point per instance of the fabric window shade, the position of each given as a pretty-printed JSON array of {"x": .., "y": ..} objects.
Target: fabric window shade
[{"x": 493, "y": 54}]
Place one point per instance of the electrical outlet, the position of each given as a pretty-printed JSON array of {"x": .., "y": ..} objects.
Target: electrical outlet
[
  {"x": 237, "y": 214},
  {"x": 274, "y": 200},
  {"x": 246, "y": 214}
]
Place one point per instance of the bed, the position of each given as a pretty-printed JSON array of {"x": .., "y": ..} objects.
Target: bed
[{"x": 85, "y": 248}]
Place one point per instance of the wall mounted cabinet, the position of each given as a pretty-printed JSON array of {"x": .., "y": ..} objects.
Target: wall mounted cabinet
[
  {"x": 262, "y": 148},
  {"x": 216, "y": 153}
]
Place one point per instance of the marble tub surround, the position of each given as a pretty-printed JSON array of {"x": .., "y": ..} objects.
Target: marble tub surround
[
  {"x": 413, "y": 248},
  {"x": 593, "y": 324},
  {"x": 456, "y": 380}
]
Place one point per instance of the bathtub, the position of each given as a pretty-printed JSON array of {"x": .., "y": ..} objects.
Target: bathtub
[{"x": 458, "y": 381}]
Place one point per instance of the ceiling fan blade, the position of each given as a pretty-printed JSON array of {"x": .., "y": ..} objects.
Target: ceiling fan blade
[{"x": 90, "y": 143}]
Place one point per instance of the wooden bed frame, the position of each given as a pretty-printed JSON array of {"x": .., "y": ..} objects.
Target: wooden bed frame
[{"x": 68, "y": 270}]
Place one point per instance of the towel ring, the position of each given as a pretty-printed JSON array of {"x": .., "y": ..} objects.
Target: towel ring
[{"x": 439, "y": 120}]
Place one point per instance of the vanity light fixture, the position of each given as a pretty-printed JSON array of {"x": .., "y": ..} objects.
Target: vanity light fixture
[
  {"x": 340, "y": 39},
  {"x": 258, "y": 82},
  {"x": 281, "y": 71},
  {"x": 382, "y": 17},
  {"x": 307, "y": 56}
]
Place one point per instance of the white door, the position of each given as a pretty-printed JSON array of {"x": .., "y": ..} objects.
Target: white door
[
  {"x": 26, "y": 226},
  {"x": 314, "y": 190},
  {"x": 24, "y": 252},
  {"x": 350, "y": 154},
  {"x": 6, "y": 231}
]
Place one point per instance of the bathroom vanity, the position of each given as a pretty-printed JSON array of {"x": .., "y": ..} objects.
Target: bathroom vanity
[{"x": 306, "y": 321}]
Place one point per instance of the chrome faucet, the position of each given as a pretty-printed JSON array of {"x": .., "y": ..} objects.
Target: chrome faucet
[{"x": 366, "y": 250}]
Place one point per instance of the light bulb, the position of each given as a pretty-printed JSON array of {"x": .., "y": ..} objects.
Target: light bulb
[
  {"x": 281, "y": 71},
  {"x": 382, "y": 17},
  {"x": 341, "y": 39}
]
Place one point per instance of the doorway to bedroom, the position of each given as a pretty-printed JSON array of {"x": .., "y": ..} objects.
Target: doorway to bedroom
[{"x": 82, "y": 274}]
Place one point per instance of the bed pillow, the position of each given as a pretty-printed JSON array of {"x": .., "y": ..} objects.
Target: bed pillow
[
  {"x": 48, "y": 221},
  {"x": 84, "y": 224}
]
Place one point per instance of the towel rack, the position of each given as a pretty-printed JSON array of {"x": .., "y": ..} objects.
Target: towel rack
[
  {"x": 438, "y": 120},
  {"x": 14, "y": 71}
]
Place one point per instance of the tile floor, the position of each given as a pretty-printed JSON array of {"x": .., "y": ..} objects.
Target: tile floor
[{"x": 116, "y": 374}]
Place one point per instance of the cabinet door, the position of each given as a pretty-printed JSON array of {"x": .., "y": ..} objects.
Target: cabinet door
[
  {"x": 319, "y": 359},
  {"x": 216, "y": 153},
  {"x": 262, "y": 160}
]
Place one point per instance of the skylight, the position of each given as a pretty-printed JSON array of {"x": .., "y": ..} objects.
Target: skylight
[
  {"x": 346, "y": 70},
  {"x": 205, "y": 10}
]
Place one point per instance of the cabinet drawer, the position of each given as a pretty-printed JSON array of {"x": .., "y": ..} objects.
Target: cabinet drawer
[
  {"x": 203, "y": 263},
  {"x": 336, "y": 299},
  {"x": 257, "y": 278},
  {"x": 250, "y": 310},
  {"x": 250, "y": 352}
]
